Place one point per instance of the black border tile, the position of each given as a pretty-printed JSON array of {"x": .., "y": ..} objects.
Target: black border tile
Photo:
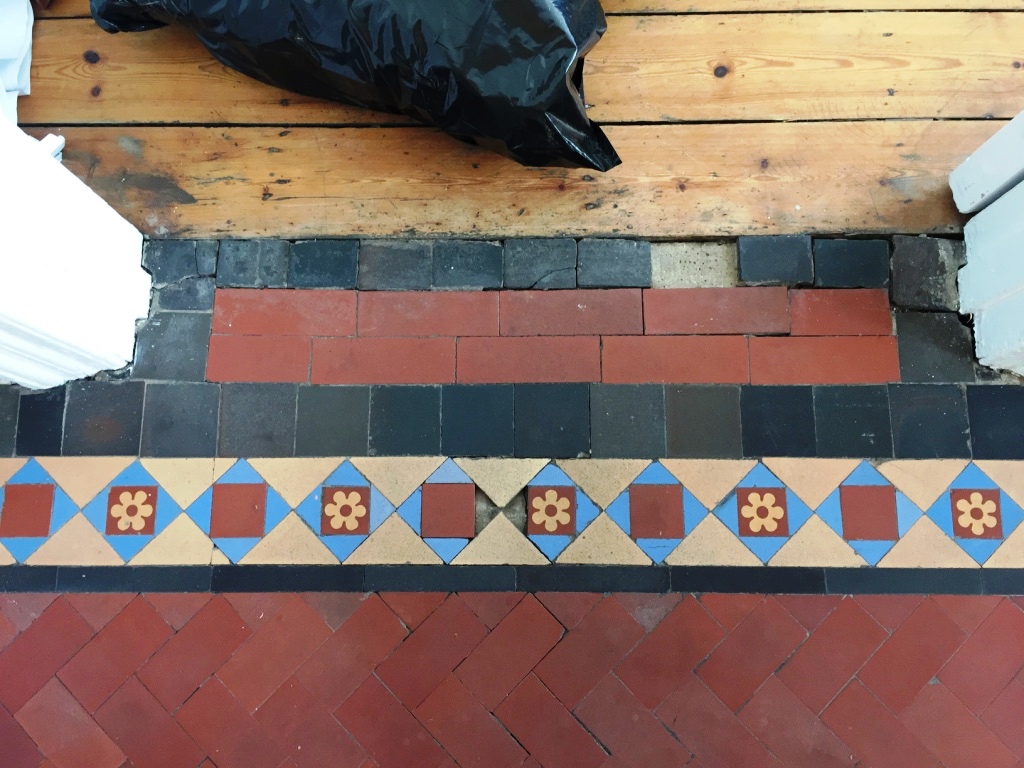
[
  {"x": 173, "y": 578},
  {"x": 103, "y": 418},
  {"x": 440, "y": 578},
  {"x": 748, "y": 579},
  {"x": 703, "y": 421},
  {"x": 853, "y": 421},
  {"x": 996, "y": 414},
  {"x": 587, "y": 578},
  {"x": 28, "y": 578},
  {"x": 1002, "y": 581},
  {"x": 903, "y": 581},
  {"x": 929, "y": 421},
  {"x": 41, "y": 422},
  {"x": 287, "y": 578},
  {"x": 778, "y": 421},
  {"x": 96, "y": 578}
]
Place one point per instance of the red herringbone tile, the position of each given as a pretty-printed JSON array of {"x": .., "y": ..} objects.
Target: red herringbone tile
[
  {"x": 1005, "y": 717},
  {"x": 589, "y": 651},
  {"x": 194, "y": 653},
  {"x": 266, "y": 359},
  {"x": 334, "y": 607},
  {"x": 889, "y": 610},
  {"x": 491, "y": 607},
  {"x": 510, "y": 652},
  {"x": 569, "y": 607},
  {"x": 665, "y": 659},
  {"x": 534, "y": 360},
  {"x": 729, "y": 610},
  {"x": 177, "y": 608},
  {"x": 19, "y": 750},
  {"x": 751, "y": 652},
  {"x": 98, "y": 609},
  {"x": 824, "y": 360},
  {"x": 413, "y": 607},
  {"x": 383, "y": 361},
  {"x": 674, "y": 360},
  {"x": 7, "y": 632},
  {"x": 257, "y": 608},
  {"x": 22, "y": 608},
  {"x": 648, "y": 610},
  {"x": 616, "y": 311},
  {"x": 743, "y": 311},
  {"x": 418, "y": 313},
  {"x": 243, "y": 311},
  {"x": 968, "y": 610},
  {"x": 809, "y": 610},
  {"x": 841, "y": 312}
]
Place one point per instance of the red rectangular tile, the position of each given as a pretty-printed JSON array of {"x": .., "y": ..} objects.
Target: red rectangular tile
[
  {"x": 824, "y": 360},
  {"x": 65, "y": 733},
  {"x": 26, "y": 510},
  {"x": 674, "y": 360},
  {"x": 648, "y": 610},
  {"x": 334, "y": 607},
  {"x": 284, "y": 312},
  {"x": 383, "y": 361},
  {"x": 419, "y": 313},
  {"x": 22, "y": 608},
  {"x": 19, "y": 750},
  {"x": 616, "y": 311},
  {"x": 841, "y": 312},
  {"x": 177, "y": 609},
  {"x": 257, "y": 608},
  {"x": 1005, "y": 717},
  {"x": 968, "y": 610},
  {"x": 529, "y": 360},
  {"x": 491, "y": 607},
  {"x": 413, "y": 607},
  {"x": 98, "y": 608},
  {"x": 7, "y": 632},
  {"x": 262, "y": 359},
  {"x": 569, "y": 607},
  {"x": 809, "y": 610},
  {"x": 707, "y": 311},
  {"x": 889, "y": 610},
  {"x": 729, "y": 609}
]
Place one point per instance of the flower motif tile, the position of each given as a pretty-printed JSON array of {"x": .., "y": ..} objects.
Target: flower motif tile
[
  {"x": 131, "y": 510},
  {"x": 443, "y": 510},
  {"x": 32, "y": 508},
  {"x": 557, "y": 510},
  {"x": 976, "y": 513},
  {"x": 762, "y": 511},
  {"x": 345, "y": 511}
]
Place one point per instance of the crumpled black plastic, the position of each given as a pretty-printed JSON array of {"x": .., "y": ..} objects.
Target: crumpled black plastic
[{"x": 503, "y": 74}]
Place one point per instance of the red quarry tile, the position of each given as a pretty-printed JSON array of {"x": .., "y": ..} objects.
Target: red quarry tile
[
  {"x": 988, "y": 659},
  {"x": 833, "y": 653},
  {"x": 912, "y": 656},
  {"x": 529, "y": 360},
  {"x": 674, "y": 360},
  {"x": 22, "y": 608},
  {"x": 448, "y": 509},
  {"x": 709, "y": 730},
  {"x": 413, "y": 607},
  {"x": 350, "y": 655},
  {"x": 617, "y": 311},
  {"x": 239, "y": 510},
  {"x": 706, "y": 311},
  {"x": 656, "y": 511},
  {"x": 809, "y": 610},
  {"x": 383, "y": 361},
  {"x": 466, "y": 730},
  {"x": 19, "y": 750},
  {"x": 272, "y": 654},
  {"x": 302, "y": 727},
  {"x": 177, "y": 608},
  {"x": 729, "y": 610},
  {"x": 889, "y": 610},
  {"x": 665, "y": 659},
  {"x": 419, "y": 313},
  {"x": 65, "y": 733},
  {"x": 194, "y": 653},
  {"x": 251, "y": 312},
  {"x": 791, "y": 731},
  {"x": 510, "y": 652},
  {"x": 491, "y": 607},
  {"x": 546, "y": 729},
  {"x": 386, "y": 729},
  {"x": 279, "y": 359},
  {"x": 957, "y": 737},
  {"x": 838, "y": 312},
  {"x": 1005, "y": 717},
  {"x": 334, "y": 607},
  {"x": 874, "y": 734},
  {"x": 627, "y": 728},
  {"x": 569, "y": 607},
  {"x": 26, "y": 510},
  {"x": 39, "y": 651},
  {"x": 968, "y": 610},
  {"x": 144, "y": 731},
  {"x": 7, "y": 631},
  {"x": 432, "y": 651},
  {"x": 648, "y": 610},
  {"x": 824, "y": 360},
  {"x": 98, "y": 609},
  {"x": 869, "y": 512},
  {"x": 120, "y": 648},
  {"x": 222, "y": 728},
  {"x": 257, "y": 608},
  {"x": 751, "y": 652},
  {"x": 589, "y": 651}
]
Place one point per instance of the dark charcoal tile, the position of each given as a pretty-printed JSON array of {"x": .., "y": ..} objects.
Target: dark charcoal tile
[
  {"x": 540, "y": 263},
  {"x": 103, "y": 418},
  {"x": 170, "y": 260},
  {"x": 172, "y": 578},
  {"x": 627, "y": 421},
  {"x": 41, "y": 423},
  {"x": 929, "y": 421},
  {"x": 904, "y": 581},
  {"x": 324, "y": 264},
  {"x": 703, "y": 422},
  {"x": 934, "y": 347},
  {"x": 924, "y": 272},
  {"x": 252, "y": 264},
  {"x": 9, "y": 397},
  {"x": 777, "y": 421},
  {"x": 1002, "y": 581},
  {"x": 181, "y": 420},
  {"x": 593, "y": 578},
  {"x": 173, "y": 346},
  {"x": 776, "y": 260},
  {"x": 333, "y": 421},
  {"x": 395, "y": 265},
  {"x": 476, "y": 420},
  {"x": 607, "y": 263},
  {"x": 750, "y": 579},
  {"x": 96, "y": 578},
  {"x": 467, "y": 264},
  {"x": 193, "y": 294},
  {"x": 439, "y": 578},
  {"x": 28, "y": 578},
  {"x": 287, "y": 578},
  {"x": 853, "y": 421},
  {"x": 257, "y": 420},
  {"x": 206, "y": 257},
  {"x": 405, "y": 421},
  {"x": 997, "y": 421},
  {"x": 552, "y": 420},
  {"x": 851, "y": 263}
]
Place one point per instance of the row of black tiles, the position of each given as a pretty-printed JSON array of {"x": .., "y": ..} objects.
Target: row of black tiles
[
  {"x": 510, "y": 578},
  {"x": 525, "y": 420}
]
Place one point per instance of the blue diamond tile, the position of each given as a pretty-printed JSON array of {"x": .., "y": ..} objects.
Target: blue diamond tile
[
  {"x": 449, "y": 472},
  {"x": 656, "y": 474},
  {"x": 865, "y": 474},
  {"x": 658, "y": 549},
  {"x": 551, "y": 546},
  {"x": 447, "y": 548},
  {"x": 587, "y": 511},
  {"x": 236, "y": 549},
  {"x": 411, "y": 509},
  {"x": 345, "y": 475}
]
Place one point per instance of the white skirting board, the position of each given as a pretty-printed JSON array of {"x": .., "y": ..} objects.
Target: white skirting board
[{"x": 15, "y": 54}]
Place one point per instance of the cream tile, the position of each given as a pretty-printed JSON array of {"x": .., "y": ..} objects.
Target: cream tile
[
  {"x": 220, "y": 466},
  {"x": 295, "y": 479},
  {"x": 76, "y": 543},
  {"x": 83, "y": 477},
  {"x": 6, "y": 558},
  {"x": 603, "y": 543},
  {"x": 603, "y": 479},
  {"x": 394, "y": 543},
  {"x": 1008, "y": 475},
  {"x": 180, "y": 543},
  {"x": 397, "y": 476},
  {"x": 815, "y": 544},
  {"x": 710, "y": 480},
  {"x": 219, "y": 558},
  {"x": 500, "y": 543},
  {"x": 926, "y": 546},
  {"x": 923, "y": 481},
  {"x": 711, "y": 543},
  {"x": 8, "y": 467},
  {"x": 812, "y": 479},
  {"x": 1010, "y": 553},
  {"x": 501, "y": 479},
  {"x": 290, "y": 543},
  {"x": 184, "y": 479}
]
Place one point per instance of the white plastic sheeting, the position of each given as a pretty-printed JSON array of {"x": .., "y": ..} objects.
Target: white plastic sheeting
[{"x": 15, "y": 54}]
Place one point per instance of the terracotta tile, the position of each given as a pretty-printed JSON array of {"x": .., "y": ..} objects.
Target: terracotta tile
[
  {"x": 809, "y": 610},
  {"x": 674, "y": 360},
  {"x": 448, "y": 509},
  {"x": 912, "y": 656},
  {"x": 1005, "y": 717},
  {"x": 65, "y": 733},
  {"x": 345, "y": 511},
  {"x": 26, "y": 510},
  {"x": 976, "y": 513},
  {"x": 988, "y": 659},
  {"x": 742, "y": 311},
  {"x": 19, "y": 748},
  {"x": 7, "y": 632},
  {"x": 257, "y": 608},
  {"x": 569, "y": 607},
  {"x": 413, "y": 607},
  {"x": 284, "y": 313},
  {"x": 968, "y": 610},
  {"x": 869, "y": 512},
  {"x": 656, "y": 511},
  {"x": 824, "y": 360},
  {"x": 76, "y": 543},
  {"x": 603, "y": 543},
  {"x": 383, "y": 361},
  {"x": 508, "y": 654},
  {"x": 648, "y": 610},
  {"x": 334, "y": 607},
  {"x": 417, "y": 313},
  {"x": 500, "y": 543},
  {"x": 572, "y": 313},
  {"x": 278, "y": 359},
  {"x": 194, "y": 653},
  {"x": 751, "y": 652},
  {"x": 551, "y": 509},
  {"x": 491, "y": 607},
  {"x": 762, "y": 511},
  {"x": 889, "y": 610},
  {"x": 538, "y": 360},
  {"x": 589, "y": 651},
  {"x": 729, "y": 609},
  {"x": 834, "y": 652},
  {"x": 238, "y": 510},
  {"x": 97, "y": 608},
  {"x": 22, "y": 608},
  {"x": 836, "y": 312},
  {"x": 546, "y": 729}
]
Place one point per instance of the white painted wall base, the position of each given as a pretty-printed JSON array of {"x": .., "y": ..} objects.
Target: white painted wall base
[{"x": 15, "y": 54}]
